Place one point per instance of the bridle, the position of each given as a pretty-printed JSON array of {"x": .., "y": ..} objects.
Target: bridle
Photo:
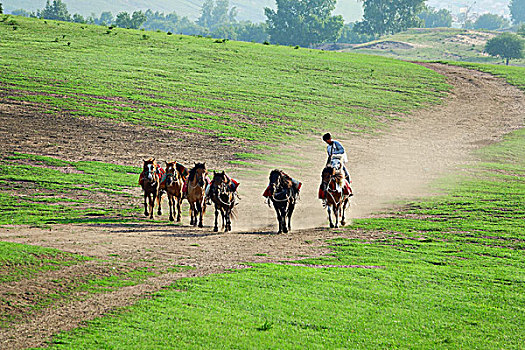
[{"x": 328, "y": 190}]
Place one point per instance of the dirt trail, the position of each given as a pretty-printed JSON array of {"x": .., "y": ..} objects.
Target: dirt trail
[{"x": 397, "y": 165}]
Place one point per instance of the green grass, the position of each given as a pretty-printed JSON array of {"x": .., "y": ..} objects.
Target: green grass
[
  {"x": 37, "y": 190},
  {"x": 450, "y": 274},
  {"x": 235, "y": 90},
  {"x": 22, "y": 261}
]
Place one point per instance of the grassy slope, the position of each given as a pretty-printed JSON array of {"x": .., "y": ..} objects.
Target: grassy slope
[
  {"x": 439, "y": 44},
  {"x": 196, "y": 84},
  {"x": 451, "y": 276},
  {"x": 34, "y": 194}
]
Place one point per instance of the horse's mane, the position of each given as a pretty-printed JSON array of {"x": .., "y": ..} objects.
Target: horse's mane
[
  {"x": 338, "y": 175},
  {"x": 193, "y": 171},
  {"x": 287, "y": 179}
]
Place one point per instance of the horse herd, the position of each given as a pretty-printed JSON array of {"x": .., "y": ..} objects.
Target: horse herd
[{"x": 179, "y": 183}]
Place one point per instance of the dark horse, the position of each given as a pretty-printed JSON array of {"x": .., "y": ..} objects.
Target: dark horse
[
  {"x": 196, "y": 195},
  {"x": 336, "y": 200},
  {"x": 149, "y": 181},
  {"x": 222, "y": 194},
  {"x": 283, "y": 196}
]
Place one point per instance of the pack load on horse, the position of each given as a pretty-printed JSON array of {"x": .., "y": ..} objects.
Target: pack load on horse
[
  {"x": 222, "y": 192},
  {"x": 282, "y": 192},
  {"x": 172, "y": 182},
  {"x": 336, "y": 165},
  {"x": 149, "y": 180},
  {"x": 336, "y": 192},
  {"x": 194, "y": 188}
]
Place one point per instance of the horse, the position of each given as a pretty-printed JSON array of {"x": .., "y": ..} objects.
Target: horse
[
  {"x": 172, "y": 183},
  {"x": 332, "y": 184},
  {"x": 222, "y": 194},
  {"x": 149, "y": 180},
  {"x": 196, "y": 193},
  {"x": 283, "y": 197}
]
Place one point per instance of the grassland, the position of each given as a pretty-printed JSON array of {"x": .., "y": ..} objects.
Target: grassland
[
  {"x": 434, "y": 44},
  {"x": 448, "y": 274},
  {"x": 232, "y": 89},
  {"x": 38, "y": 190}
]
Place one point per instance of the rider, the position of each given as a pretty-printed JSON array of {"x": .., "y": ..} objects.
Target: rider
[{"x": 336, "y": 150}]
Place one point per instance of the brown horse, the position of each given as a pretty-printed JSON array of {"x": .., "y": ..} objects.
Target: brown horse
[
  {"x": 196, "y": 193},
  {"x": 283, "y": 196},
  {"x": 149, "y": 180},
  {"x": 336, "y": 201},
  {"x": 222, "y": 194},
  {"x": 172, "y": 183}
]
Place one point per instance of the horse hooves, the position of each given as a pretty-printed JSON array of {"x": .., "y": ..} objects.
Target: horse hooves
[
  {"x": 331, "y": 225},
  {"x": 343, "y": 223},
  {"x": 146, "y": 213},
  {"x": 201, "y": 225},
  {"x": 215, "y": 229},
  {"x": 159, "y": 213},
  {"x": 171, "y": 218},
  {"x": 178, "y": 220}
]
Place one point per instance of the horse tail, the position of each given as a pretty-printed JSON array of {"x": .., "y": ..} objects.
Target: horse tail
[{"x": 234, "y": 214}]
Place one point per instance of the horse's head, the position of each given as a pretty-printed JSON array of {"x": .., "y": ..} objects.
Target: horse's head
[
  {"x": 326, "y": 177},
  {"x": 170, "y": 168},
  {"x": 198, "y": 173},
  {"x": 148, "y": 168},
  {"x": 279, "y": 180}
]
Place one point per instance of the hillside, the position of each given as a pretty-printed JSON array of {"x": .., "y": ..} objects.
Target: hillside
[
  {"x": 252, "y": 10},
  {"x": 431, "y": 44}
]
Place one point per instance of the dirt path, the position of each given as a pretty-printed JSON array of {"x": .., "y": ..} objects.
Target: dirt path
[{"x": 397, "y": 165}]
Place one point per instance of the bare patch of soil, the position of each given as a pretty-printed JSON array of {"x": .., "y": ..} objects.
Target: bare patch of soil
[
  {"x": 398, "y": 165},
  {"x": 388, "y": 45}
]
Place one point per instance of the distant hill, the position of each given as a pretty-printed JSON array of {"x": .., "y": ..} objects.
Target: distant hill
[
  {"x": 252, "y": 10},
  {"x": 429, "y": 44}
]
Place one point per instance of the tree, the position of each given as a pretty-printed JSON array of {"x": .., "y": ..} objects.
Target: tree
[
  {"x": 78, "y": 18},
  {"x": 433, "y": 18},
  {"x": 124, "y": 20},
  {"x": 390, "y": 16},
  {"x": 216, "y": 14},
  {"x": 303, "y": 22},
  {"x": 521, "y": 30},
  {"x": 507, "y": 46},
  {"x": 106, "y": 18},
  {"x": 1, "y": 8},
  {"x": 490, "y": 21},
  {"x": 56, "y": 11},
  {"x": 517, "y": 11}
]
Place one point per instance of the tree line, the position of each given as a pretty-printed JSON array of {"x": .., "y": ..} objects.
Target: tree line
[{"x": 293, "y": 22}]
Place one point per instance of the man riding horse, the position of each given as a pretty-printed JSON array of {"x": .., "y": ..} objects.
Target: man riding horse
[{"x": 337, "y": 158}]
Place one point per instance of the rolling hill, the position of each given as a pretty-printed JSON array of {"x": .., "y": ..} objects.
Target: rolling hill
[{"x": 448, "y": 44}]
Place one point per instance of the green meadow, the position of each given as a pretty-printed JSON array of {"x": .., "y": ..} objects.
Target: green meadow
[
  {"x": 235, "y": 90},
  {"x": 39, "y": 190},
  {"x": 449, "y": 273}
]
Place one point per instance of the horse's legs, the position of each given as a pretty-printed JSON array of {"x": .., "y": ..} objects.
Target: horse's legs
[
  {"x": 227, "y": 214},
  {"x": 278, "y": 211},
  {"x": 199, "y": 211},
  {"x": 283, "y": 218},
  {"x": 192, "y": 214},
  {"x": 216, "y": 226},
  {"x": 159, "y": 201},
  {"x": 179, "y": 201},
  {"x": 170, "y": 205},
  {"x": 152, "y": 198},
  {"x": 146, "y": 203},
  {"x": 291, "y": 208},
  {"x": 345, "y": 203},
  {"x": 329, "y": 210},
  {"x": 337, "y": 213}
]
